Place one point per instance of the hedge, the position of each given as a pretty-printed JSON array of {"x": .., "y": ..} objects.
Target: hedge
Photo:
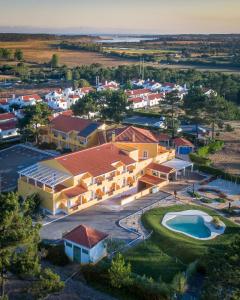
[{"x": 218, "y": 172}]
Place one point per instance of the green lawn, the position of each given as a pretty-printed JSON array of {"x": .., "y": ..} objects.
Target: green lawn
[{"x": 167, "y": 252}]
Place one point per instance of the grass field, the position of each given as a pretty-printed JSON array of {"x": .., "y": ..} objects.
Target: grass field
[
  {"x": 166, "y": 252},
  {"x": 42, "y": 51}
]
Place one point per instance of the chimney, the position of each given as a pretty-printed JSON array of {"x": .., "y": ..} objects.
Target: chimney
[
  {"x": 113, "y": 136},
  {"x": 133, "y": 137}
]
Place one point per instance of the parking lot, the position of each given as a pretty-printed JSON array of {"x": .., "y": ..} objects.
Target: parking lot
[
  {"x": 14, "y": 159},
  {"x": 104, "y": 216}
]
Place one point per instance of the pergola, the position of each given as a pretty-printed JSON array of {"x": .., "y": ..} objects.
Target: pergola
[
  {"x": 179, "y": 165},
  {"x": 45, "y": 175}
]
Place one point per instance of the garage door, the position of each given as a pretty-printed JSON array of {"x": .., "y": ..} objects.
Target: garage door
[
  {"x": 76, "y": 254},
  {"x": 185, "y": 150}
]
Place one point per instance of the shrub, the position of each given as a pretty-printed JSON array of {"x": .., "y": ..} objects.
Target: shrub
[
  {"x": 203, "y": 151},
  {"x": 57, "y": 256},
  {"x": 48, "y": 146},
  {"x": 215, "y": 146},
  {"x": 119, "y": 272},
  {"x": 206, "y": 200},
  {"x": 220, "y": 200},
  {"x": 216, "y": 222},
  {"x": 229, "y": 128},
  {"x": 144, "y": 288},
  {"x": 199, "y": 160}
]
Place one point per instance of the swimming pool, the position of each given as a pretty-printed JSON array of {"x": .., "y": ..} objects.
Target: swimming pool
[{"x": 194, "y": 223}]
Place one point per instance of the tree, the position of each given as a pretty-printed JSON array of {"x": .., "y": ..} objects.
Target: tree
[
  {"x": 119, "y": 272},
  {"x": 179, "y": 284},
  {"x": 84, "y": 106},
  {"x": 18, "y": 240},
  {"x": 18, "y": 55},
  {"x": 169, "y": 107},
  {"x": 54, "y": 61},
  {"x": 194, "y": 104},
  {"x": 223, "y": 272},
  {"x": 68, "y": 75},
  {"x": 48, "y": 283},
  {"x": 115, "y": 105},
  {"x": 35, "y": 116},
  {"x": 83, "y": 83}
]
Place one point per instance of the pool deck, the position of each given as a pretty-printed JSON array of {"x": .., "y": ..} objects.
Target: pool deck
[{"x": 207, "y": 222}]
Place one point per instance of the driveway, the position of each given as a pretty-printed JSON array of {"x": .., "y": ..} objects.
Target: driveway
[{"x": 104, "y": 216}]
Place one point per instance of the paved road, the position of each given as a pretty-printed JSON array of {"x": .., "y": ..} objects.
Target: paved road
[{"x": 103, "y": 216}]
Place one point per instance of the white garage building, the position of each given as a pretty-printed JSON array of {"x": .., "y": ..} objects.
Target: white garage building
[{"x": 85, "y": 244}]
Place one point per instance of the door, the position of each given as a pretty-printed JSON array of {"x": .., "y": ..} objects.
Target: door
[{"x": 76, "y": 254}]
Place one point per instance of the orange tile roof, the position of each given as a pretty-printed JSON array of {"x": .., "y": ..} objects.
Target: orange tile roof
[
  {"x": 160, "y": 168},
  {"x": 162, "y": 137},
  {"x": 96, "y": 161},
  {"x": 30, "y": 97},
  {"x": 125, "y": 134},
  {"x": 182, "y": 142},
  {"x": 7, "y": 116},
  {"x": 12, "y": 124},
  {"x": 75, "y": 191},
  {"x": 152, "y": 180},
  {"x": 67, "y": 123},
  {"x": 154, "y": 96},
  {"x": 136, "y": 100},
  {"x": 141, "y": 135},
  {"x": 137, "y": 92},
  {"x": 85, "y": 236}
]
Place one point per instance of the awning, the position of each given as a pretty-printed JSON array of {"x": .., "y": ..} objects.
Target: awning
[
  {"x": 178, "y": 164},
  {"x": 75, "y": 191},
  {"x": 161, "y": 168},
  {"x": 152, "y": 180},
  {"x": 45, "y": 174}
]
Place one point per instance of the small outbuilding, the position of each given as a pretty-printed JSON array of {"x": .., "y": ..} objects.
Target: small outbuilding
[
  {"x": 85, "y": 244},
  {"x": 183, "y": 146}
]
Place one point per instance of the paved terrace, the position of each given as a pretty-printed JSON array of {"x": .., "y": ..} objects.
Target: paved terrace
[{"x": 103, "y": 216}]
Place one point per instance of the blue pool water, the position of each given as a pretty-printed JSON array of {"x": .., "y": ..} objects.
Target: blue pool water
[{"x": 192, "y": 225}]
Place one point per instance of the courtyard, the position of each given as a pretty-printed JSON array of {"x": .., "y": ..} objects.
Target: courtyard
[{"x": 15, "y": 158}]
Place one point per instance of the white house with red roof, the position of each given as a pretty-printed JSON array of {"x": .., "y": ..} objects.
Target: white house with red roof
[
  {"x": 8, "y": 126},
  {"x": 154, "y": 99},
  {"x": 108, "y": 85},
  {"x": 137, "y": 102},
  {"x": 85, "y": 244},
  {"x": 4, "y": 104},
  {"x": 183, "y": 146},
  {"x": 26, "y": 100},
  {"x": 152, "y": 85}
]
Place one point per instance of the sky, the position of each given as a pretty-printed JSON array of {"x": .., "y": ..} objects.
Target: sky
[{"x": 120, "y": 16}]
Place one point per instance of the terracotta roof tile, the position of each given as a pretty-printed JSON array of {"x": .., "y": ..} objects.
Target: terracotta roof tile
[
  {"x": 182, "y": 142},
  {"x": 160, "y": 168},
  {"x": 75, "y": 191},
  {"x": 7, "y": 116},
  {"x": 152, "y": 180},
  {"x": 85, "y": 236},
  {"x": 97, "y": 160},
  {"x": 67, "y": 123}
]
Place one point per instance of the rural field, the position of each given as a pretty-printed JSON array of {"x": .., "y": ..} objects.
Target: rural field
[
  {"x": 36, "y": 51},
  {"x": 228, "y": 158}
]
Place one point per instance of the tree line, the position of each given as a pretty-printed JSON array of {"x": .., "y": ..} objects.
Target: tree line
[{"x": 9, "y": 54}]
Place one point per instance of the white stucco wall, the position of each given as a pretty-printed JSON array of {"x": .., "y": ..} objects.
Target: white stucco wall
[{"x": 94, "y": 254}]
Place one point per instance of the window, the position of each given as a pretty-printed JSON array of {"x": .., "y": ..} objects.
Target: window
[
  {"x": 145, "y": 154},
  {"x": 155, "y": 173},
  {"x": 85, "y": 251},
  {"x": 68, "y": 245}
]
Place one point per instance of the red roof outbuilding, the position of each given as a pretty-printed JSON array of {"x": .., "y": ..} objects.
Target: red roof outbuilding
[{"x": 85, "y": 236}]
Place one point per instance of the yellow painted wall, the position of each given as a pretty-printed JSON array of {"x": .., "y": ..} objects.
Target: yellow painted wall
[{"x": 152, "y": 148}]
